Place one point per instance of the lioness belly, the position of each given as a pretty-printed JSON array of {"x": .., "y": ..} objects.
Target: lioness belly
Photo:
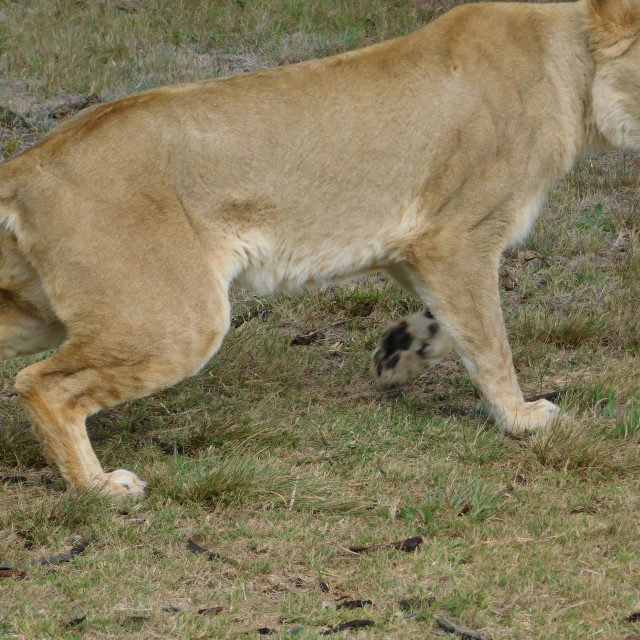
[
  {"x": 273, "y": 263},
  {"x": 287, "y": 249}
]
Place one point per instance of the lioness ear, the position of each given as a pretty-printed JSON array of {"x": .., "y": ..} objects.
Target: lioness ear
[{"x": 613, "y": 26}]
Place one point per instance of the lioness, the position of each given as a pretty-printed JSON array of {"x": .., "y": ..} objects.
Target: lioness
[{"x": 425, "y": 156}]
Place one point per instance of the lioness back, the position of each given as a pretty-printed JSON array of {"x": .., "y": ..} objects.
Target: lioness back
[{"x": 314, "y": 170}]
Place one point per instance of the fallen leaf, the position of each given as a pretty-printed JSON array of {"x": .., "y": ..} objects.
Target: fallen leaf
[
  {"x": 194, "y": 547},
  {"x": 10, "y": 572},
  {"x": 410, "y": 544},
  {"x": 354, "y": 604},
  {"x": 352, "y": 624},
  {"x": 307, "y": 338},
  {"x": 75, "y": 622},
  {"x": 295, "y": 628},
  {"x": 211, "y": 610}
]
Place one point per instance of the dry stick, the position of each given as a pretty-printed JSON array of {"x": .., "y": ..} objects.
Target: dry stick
[
  {"x": 454, "y": 628},
  {"x": 63, "y": 557},
  {"x": 12, "y": 572},
  {"x": 293, "y": 493}
]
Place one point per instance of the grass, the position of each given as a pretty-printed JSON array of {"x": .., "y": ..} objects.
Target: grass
[
  {"x": 135, "y": 44},
  {"x": 280, "y": 456}
]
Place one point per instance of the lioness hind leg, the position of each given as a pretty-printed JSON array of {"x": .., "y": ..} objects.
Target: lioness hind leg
[
  {"x": 81, "y": 378},
  {"x": 58, "y": 398},
  {"x": 407, "y": 347}
]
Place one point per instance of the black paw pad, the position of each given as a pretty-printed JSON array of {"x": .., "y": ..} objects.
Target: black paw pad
[
  {"x": 396, "y": 339},
  {"x": 392, "y": 344}
]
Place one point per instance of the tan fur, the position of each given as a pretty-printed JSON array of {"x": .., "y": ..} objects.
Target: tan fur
[{"x": 426, "y": 156}]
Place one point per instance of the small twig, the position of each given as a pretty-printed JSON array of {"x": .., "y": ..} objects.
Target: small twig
[
  {"x": 293, "y": 493},
  {"x": 454, "y": 628},
  {"x": 12, "y": 572},
  {"x": 62, "y": 557},
  {"x": 572, "y": 606},
  {"x": 210, "y": 610},
  {"x": 347, "y": 550}
]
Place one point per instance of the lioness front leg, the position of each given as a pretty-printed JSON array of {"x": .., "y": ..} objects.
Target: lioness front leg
[
  {"x": 465, "y": 299},
  {"x": 407, "y": 347}
]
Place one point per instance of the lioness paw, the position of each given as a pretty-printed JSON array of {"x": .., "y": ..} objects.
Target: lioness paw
[
  {"x": 406, "y": 347},
  {"x": 532, "y": 416},
  {"x": 120, "y": 484}
]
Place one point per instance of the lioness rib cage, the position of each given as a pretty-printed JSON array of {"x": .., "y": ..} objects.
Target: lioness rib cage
[{"x": 424, "y": 156}]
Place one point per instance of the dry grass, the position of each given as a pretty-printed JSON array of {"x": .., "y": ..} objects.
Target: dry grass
[{"x": 279, "y": 457}]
